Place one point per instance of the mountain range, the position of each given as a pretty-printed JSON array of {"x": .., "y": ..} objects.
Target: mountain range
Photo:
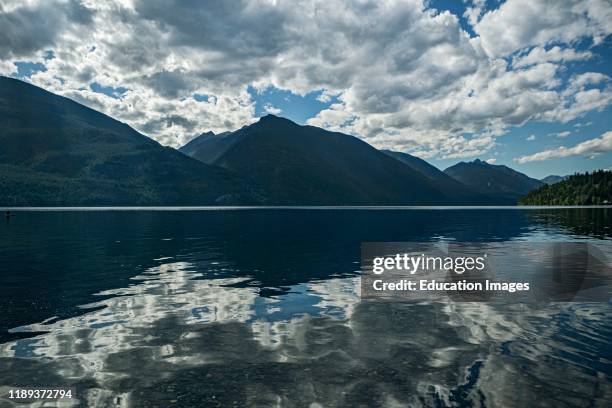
[
  {"x": 293, "y": 164},
  {"x": 502, "y": 182},
  {"x": 447, "y": 183},
  {"x": 57, "y": 152}
]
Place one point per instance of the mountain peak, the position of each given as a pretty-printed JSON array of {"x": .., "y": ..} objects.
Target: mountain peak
[
  {"x": 493, "y": 179},
  {"x": 270, "y": 118},
  {"x": 194, "y": 143}
]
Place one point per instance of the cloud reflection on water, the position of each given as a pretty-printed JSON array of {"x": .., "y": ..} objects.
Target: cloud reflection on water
[{"x": 174, "y": 338}]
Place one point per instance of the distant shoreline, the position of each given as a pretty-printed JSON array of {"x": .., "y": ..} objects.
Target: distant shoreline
[{"x": 314, "y": 207}]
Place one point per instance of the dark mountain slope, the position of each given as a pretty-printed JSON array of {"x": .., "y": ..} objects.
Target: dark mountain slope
[
  {"x": 306, "y": 165},
  {"x": 215, "y": 145},
  {"x": 419, "y": 165},
  {"x": 55, "y": 151},
  {"x": 494, "y": 180},
  {"x": 441, "y": 179},
  {"x": 552, "y": 179}
]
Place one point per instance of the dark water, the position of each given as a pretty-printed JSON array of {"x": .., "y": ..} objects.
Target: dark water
[{"x": 262, "y": 308}]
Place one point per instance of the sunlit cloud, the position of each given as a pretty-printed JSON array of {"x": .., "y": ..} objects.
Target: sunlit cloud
[{"x": 589, "y": 148}]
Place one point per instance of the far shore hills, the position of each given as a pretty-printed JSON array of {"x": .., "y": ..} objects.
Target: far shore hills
[{"x": 57, "y": 152}]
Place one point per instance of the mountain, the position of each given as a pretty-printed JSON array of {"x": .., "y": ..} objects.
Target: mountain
[
  {"x": 209, "y": 139},
  {"x": 506, "y": 184},
  {"x": 419, "y": 165},
  {"x": 306, "y": 165},
  {"x": 580, "y": 189},
  {"x": 440, "y": 179},
  {"x": 55, "y": 151},
  {"x": 552, "y": 179},
  {"x": 58, "y": 152}
]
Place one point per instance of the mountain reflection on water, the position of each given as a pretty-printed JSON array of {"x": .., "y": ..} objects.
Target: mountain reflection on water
[{"x": 262, "y": 308}]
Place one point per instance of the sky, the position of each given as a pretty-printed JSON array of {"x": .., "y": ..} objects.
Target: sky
[{"x": 525, "y": 83}]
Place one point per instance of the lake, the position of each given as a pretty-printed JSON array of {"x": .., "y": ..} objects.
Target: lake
[{"x": 261, "y": 307}]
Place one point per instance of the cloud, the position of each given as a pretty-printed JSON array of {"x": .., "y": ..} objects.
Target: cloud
[
  {"x": 474, "y": 12},
  {"x": 531, "y": 138},
  {"x": 492, "y": 160},
  {"x": 397, "y": 74},
  {"x": 518, "y": 24},
  {"x": 7, "y": 68},
  {"x": 583, "y": 124},
  {"x": 540, "y": 55},
  {"x": 563, "y": 134},
  {"x": 592, "y": 147},
  {"x": 35, "y": 25},
  {"x": 268, "y": 108},
  {"x": 325, "y": 96}
]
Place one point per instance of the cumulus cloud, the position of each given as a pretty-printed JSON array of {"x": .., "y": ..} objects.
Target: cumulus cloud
[
  {"x": 268, "y": 108},
  {"x": 325, "y": 96},
  {"x": 517, "y": 24},
  {"x": 7, "y": 68},
  {"x": 34, "y": 25},
  {"x": 400, "y": 75},
  {"x": 590, "y": 148},
  {"x": 474, "y": 11},
  {"x": 539, "y": 55}
]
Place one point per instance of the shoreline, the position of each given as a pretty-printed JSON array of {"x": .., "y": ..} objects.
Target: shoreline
[{"x": 298, "y": 207}]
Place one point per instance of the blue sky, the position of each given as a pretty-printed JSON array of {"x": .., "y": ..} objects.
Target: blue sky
[{"x": 525, "y": 83}]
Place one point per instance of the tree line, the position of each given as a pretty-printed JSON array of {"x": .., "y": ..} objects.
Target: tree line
[{"x": 593, "y": 188}]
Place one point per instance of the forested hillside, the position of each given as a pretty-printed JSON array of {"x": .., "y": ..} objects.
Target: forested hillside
[{"x": 580, "y": 189}]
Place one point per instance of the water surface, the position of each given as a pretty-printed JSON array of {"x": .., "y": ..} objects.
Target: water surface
[{"x": 261, "y": 307}]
